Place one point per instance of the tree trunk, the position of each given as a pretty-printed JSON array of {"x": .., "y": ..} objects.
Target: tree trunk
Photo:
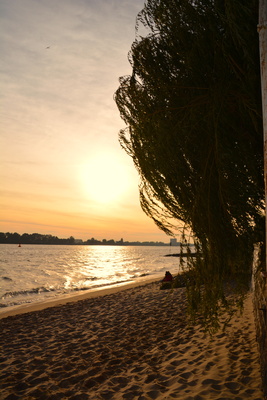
[{"x": 262, "y": 29}]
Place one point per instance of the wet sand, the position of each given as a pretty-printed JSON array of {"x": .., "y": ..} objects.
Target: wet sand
[{"x": 131, "y": 344}]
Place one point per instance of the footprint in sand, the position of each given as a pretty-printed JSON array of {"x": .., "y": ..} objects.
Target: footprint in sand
[{"x": 232, "y": 385}]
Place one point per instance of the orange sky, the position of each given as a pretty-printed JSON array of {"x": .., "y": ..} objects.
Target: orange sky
[{"x": 62, "y": 169}]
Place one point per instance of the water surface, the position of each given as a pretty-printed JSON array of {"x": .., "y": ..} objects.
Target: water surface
[{"x": 32, "y": 273}]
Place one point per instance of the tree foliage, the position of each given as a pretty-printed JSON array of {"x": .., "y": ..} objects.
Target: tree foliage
[{"x": 192, "y": 107}]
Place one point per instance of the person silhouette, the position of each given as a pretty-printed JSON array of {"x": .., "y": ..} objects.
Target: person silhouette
[{"x": 168, "y": 277}]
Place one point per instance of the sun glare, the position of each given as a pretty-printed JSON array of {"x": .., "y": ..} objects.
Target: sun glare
[{"x": 105, "y": 179}]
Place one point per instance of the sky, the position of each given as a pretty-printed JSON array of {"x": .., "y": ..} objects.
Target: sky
[{"x": 62, "y": 170}]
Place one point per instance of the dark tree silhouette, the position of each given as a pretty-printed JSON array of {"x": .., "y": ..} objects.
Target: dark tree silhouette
[{"x": 192, "y": 107}]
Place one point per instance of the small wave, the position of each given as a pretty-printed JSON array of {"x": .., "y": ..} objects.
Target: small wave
[
  {"x": 100, "y": 285},
  {"x": 14, "y": 303},
  {"x": 91, "y": 278},
  {"x": 27, "y": 292}
]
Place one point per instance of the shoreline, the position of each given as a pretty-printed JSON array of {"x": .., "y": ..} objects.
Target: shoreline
[
  {"x": 130, "y": 344},
  {"x": 70, "y": 298}
]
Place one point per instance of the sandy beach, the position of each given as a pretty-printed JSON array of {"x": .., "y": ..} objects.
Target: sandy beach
[{"x": 132, "y": 344}]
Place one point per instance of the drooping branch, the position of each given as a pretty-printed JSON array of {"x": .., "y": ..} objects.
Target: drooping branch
[{"x": 193, "y": 113}]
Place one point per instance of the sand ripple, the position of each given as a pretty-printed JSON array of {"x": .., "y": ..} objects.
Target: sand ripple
[{"x": 134, "y": 344}]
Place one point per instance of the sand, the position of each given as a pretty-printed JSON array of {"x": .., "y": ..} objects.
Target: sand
[{"x": 133, "y": 344}]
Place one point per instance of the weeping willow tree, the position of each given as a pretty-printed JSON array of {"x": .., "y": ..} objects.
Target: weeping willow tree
[{"x": 192, "y": 107}]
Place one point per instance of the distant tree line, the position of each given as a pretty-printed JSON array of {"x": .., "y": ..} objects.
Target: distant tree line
[
  {"x": 37, "y": 238},
  {"x": 33, "y": 238},
  {"x": 112, "y": 242}
]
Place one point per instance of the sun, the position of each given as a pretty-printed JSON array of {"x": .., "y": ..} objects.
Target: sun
[{"x": 105, "y": 179}]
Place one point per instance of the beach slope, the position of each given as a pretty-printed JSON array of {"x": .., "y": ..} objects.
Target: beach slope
[{"x": 133, "y": 344}]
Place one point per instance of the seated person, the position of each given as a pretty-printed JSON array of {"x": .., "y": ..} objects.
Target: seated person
[{"x": 168, "y": 277}]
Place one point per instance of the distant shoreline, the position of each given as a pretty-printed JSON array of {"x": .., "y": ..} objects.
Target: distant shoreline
[
  {"x": 37, "y": 238},
  {"x": 95, "y": 244}
]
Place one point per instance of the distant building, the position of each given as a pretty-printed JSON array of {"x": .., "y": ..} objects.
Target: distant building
[
  {"x": 78, "y": 241},
  {"x": 173, "y": 242}
]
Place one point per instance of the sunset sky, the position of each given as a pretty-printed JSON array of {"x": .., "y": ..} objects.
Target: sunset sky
[{"x": 62, "y": 169}]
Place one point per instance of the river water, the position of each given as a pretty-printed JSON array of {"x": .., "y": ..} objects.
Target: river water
[{"x": 33, "y": 273}]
